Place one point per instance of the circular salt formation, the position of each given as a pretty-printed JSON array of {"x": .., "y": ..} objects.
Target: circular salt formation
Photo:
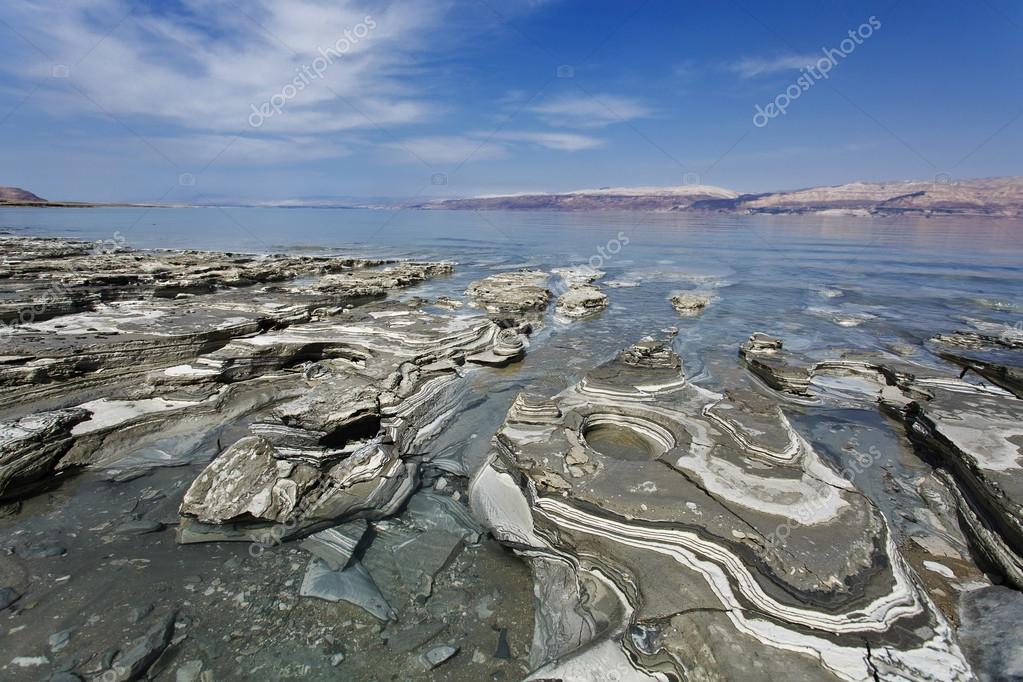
[{"x": 623, "y": 437}]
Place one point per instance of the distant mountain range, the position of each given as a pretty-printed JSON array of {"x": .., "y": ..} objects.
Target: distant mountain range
[{"x": 991, "y": 196}]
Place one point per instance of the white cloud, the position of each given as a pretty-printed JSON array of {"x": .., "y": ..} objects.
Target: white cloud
[
  {"x": 483, "y": 146},
  {"x": 590, "y": 111},
  {"x": 565, "y": 142},
  {"x": 204, "y": 68},
  {"x": 446, "y": 149},
  {"x": 751, "y": 67}
]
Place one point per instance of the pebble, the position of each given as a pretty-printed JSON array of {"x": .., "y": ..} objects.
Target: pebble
[
  {"x": 188, "y": 671},
  {"x": 439, "y": 655},
  {"x": 41, "y": 551},
  {"x": 59, "y": 640},
  {"x": 30, "y": 661},
  {"x": 139, "y": 527}
]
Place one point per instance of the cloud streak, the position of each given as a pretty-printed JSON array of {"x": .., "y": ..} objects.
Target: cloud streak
[
  {"x": 751, "y": 67},
  {"x": 590, "y": 111}
]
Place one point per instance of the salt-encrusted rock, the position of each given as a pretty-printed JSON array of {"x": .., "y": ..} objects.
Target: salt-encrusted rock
[
  {"x": 581, "y": 300},
  {"x": 771, "y": 552},
  {"x": 689, "y": 303},
  {"x": 54, "y": 277},
  {"x": 346, "y": 448},
  {"x": 780, "y": 369},
  {"x": 30, "y": 447},
  {"x": 379, "y": 282},
  {"x": 512, "y": 292},
  {"x": 998, "y": 359},
  {"x": 975, "y": 433},
  {"x": 509, "y": 347},
  {"x": 335, "y": 546},
  {"x": 970, "y": 431}
]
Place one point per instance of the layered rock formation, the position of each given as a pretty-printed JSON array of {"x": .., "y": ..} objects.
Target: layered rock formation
[
  {"x": 635, "y": 474},
  {"x": 969, "y": 430},
  {"x": 349, "y": 446},
  {"x": 515, "y": 293}
]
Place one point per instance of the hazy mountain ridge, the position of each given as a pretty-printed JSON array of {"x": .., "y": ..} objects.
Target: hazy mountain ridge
[
  {"x": 19, "y": 195},
  {"x": 989, "y": 196}
]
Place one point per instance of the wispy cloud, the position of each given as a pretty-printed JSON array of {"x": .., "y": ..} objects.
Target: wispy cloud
[
  {"x": 751, "y": 67},
  {"x": 565, "y": 142},
  {"x": 484, "y": 146},
  {"x": 201, "y": 66},
  {"x": 446, "y": 149},
  {"x": 590, "y": 111}
]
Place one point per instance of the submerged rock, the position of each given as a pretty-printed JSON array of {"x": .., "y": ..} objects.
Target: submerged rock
[{"x": 690, "y": 303}]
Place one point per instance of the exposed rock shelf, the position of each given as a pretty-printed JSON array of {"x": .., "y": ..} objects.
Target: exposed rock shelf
[{"x": 635, "y": 474}]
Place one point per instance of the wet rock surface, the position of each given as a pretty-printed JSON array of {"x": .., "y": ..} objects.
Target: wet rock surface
[
  {"x": 521, "y": 291},
  {"x": 689, "y": 304},
  {"x": 581, "y": 300},
  {"x": 771, "y": 547}
]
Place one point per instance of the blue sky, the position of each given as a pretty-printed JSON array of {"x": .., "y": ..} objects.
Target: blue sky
[{"x": 191, "y": 100}]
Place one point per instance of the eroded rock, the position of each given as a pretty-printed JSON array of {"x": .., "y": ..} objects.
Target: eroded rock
[
  {"x": 512, "y": 292},
  {"x": 581, "y": 300},
  {"x": 726, "y": 497}
]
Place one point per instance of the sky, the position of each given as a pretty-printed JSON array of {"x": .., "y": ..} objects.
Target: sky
[{"x": 218, "y": 101}]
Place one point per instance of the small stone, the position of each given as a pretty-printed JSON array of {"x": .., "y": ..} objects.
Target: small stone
[
  {"x": 337, "y": 659},
  {"x": 503, "y": 650},
  {"x": 7, "y": 597},
  {"x": 188, "y": 671},
  {"x": 60, "y": 640},
  {"x": 438, "y": 655},
  {"x": 41, "y": 551},
  {"x": 139, "y": 527}
]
